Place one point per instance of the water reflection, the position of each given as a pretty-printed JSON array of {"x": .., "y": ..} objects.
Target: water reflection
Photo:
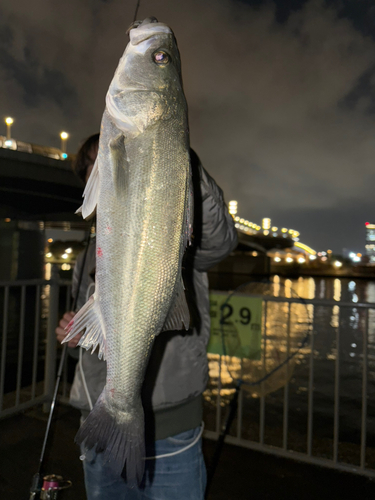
[
  {"x": 337, "y": 289},
  {"x": 335, "y": 316},
  {"x": 276, "y": 286},
  {"x": 322, "y": 289},
  {"x": 370, "y": 292},
  {"x": 285, "y": 329}
]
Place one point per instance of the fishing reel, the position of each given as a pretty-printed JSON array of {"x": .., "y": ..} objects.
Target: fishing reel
[{"x": 50, "y": 490}]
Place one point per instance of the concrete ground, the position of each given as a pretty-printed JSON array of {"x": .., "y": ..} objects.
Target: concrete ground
[{"x": 241, "y": 473}]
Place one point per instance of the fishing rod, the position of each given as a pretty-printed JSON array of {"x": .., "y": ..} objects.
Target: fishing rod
[
  {"x": 136, "y": 11},
  {"x": 48, "y": 486}
]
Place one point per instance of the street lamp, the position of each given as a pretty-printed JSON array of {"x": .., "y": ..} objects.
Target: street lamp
[
  {"x": 9, "y": 121},
  {"x": 64, "y": 136}
]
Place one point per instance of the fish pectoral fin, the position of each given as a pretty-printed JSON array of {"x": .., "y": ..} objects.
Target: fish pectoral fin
[
  {"x": 178, "y": 316},
  {"x": 90, "y": 194},
  {"x": 88, "y": 318}
]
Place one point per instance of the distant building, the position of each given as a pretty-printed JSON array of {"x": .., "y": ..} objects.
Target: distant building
[{"x": 370, "y": 242}]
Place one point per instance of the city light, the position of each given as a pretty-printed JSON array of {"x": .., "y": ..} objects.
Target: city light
[
  {"x": 9, "y": 122},
  {"x": 65, "y": 256},
  {"x": 49, "y": 255},
  {"x": 301, "y": 260},
  {"x": 69, "y": 250},
  {"x": 64, "y": 136},
  {"x": 305, "y": 247},
  {"x": 50, "y": 240},
  {"x": 277, "y": 259},
  {"x": 7, "y": 219},
  {"x": 357, "y": 257},
  {"x": 266, "y": 223},
  {"x": 289, "y": 259},
  {"x": 337, "y": 263},
  {"x": 233, "y": 205},
  {"x": 10, "y": 144},
  {"x": 312, "y": 257}
]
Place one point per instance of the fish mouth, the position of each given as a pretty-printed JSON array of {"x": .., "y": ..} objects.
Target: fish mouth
[{"x": 139, "y": 31}]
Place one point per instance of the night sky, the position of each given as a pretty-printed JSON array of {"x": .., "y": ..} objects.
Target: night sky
[{"x": 281, "y": 96}]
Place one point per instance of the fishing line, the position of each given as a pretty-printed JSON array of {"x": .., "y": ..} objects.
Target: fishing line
[
  {"x": 136, "y": 11},
  {"x": 240, "y": 382},
  {"x": 37, "y": 478},
  {"x": 182, "y": 449},
  {"x": 303, "y": 342}
]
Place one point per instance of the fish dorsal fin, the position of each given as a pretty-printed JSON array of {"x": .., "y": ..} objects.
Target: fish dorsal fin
[
  {"x": 178, "y": 316},
  {"x": 88, "y": 318},
  {"x": 90, "y": 194}
]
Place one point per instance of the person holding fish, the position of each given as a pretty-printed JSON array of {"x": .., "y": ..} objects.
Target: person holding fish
[{"x": 161, "y": 223}]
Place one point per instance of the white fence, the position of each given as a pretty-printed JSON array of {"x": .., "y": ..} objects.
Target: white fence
[
  {"x": 30, "y": 311},
  {"x": 350, "y": 415}
]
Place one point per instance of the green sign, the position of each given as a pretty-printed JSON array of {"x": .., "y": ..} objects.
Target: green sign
[{"x": 237, "y": 320}]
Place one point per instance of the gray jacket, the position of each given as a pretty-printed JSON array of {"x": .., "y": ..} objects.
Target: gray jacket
[{"x": 178, "y": 369}]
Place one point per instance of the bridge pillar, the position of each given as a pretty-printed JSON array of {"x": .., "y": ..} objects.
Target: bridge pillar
[{"x": 21, "y": 250}]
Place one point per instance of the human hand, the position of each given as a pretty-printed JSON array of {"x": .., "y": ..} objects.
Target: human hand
[{"x": 61, "y": 333}]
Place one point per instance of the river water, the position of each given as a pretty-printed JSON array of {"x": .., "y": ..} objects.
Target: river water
[{"x": 339, "y": 335}]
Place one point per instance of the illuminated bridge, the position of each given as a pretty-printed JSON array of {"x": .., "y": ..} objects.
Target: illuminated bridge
[{"x": 39, "y": 190}]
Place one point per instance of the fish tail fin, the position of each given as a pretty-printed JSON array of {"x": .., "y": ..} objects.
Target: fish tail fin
[
  {"x": 89, "y": 319},
  {"x": 119, "y": 436}
]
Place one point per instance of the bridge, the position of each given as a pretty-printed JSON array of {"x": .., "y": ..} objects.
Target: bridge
[
  {"x": 38, "y": 190},
  {"x": 36, "y": 183}
]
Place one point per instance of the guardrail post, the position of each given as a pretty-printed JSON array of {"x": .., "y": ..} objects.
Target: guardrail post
[{"x": 50, "y": 366}]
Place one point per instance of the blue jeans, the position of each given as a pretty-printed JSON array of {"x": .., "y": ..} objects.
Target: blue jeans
[{"x": 181, "y": 476}]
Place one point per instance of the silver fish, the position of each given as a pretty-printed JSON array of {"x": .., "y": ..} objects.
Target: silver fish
[{"x": 140, "y": 188}]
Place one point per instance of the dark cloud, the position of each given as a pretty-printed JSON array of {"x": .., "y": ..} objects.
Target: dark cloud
[
  {"x": 38, "y": 83},
  {"x": 280, "y": 96},
  {"x": 362, "y": 95}
]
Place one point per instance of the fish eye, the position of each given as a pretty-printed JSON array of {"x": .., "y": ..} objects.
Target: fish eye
[{"x": 160, "y": 57}]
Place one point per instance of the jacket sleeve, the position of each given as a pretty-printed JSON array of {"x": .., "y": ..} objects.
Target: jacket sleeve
[{"x": 214, "y": 233}]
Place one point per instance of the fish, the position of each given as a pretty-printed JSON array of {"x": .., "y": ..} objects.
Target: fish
[{"x": 141, "y": 191}]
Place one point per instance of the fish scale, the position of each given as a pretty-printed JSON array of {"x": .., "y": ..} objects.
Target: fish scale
[{"x": 140, "y": 188}]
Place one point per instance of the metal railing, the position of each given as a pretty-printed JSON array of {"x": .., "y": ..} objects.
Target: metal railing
[
  {"x": 349, "y": 453},
  {"x": 30, "y": 311}
]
